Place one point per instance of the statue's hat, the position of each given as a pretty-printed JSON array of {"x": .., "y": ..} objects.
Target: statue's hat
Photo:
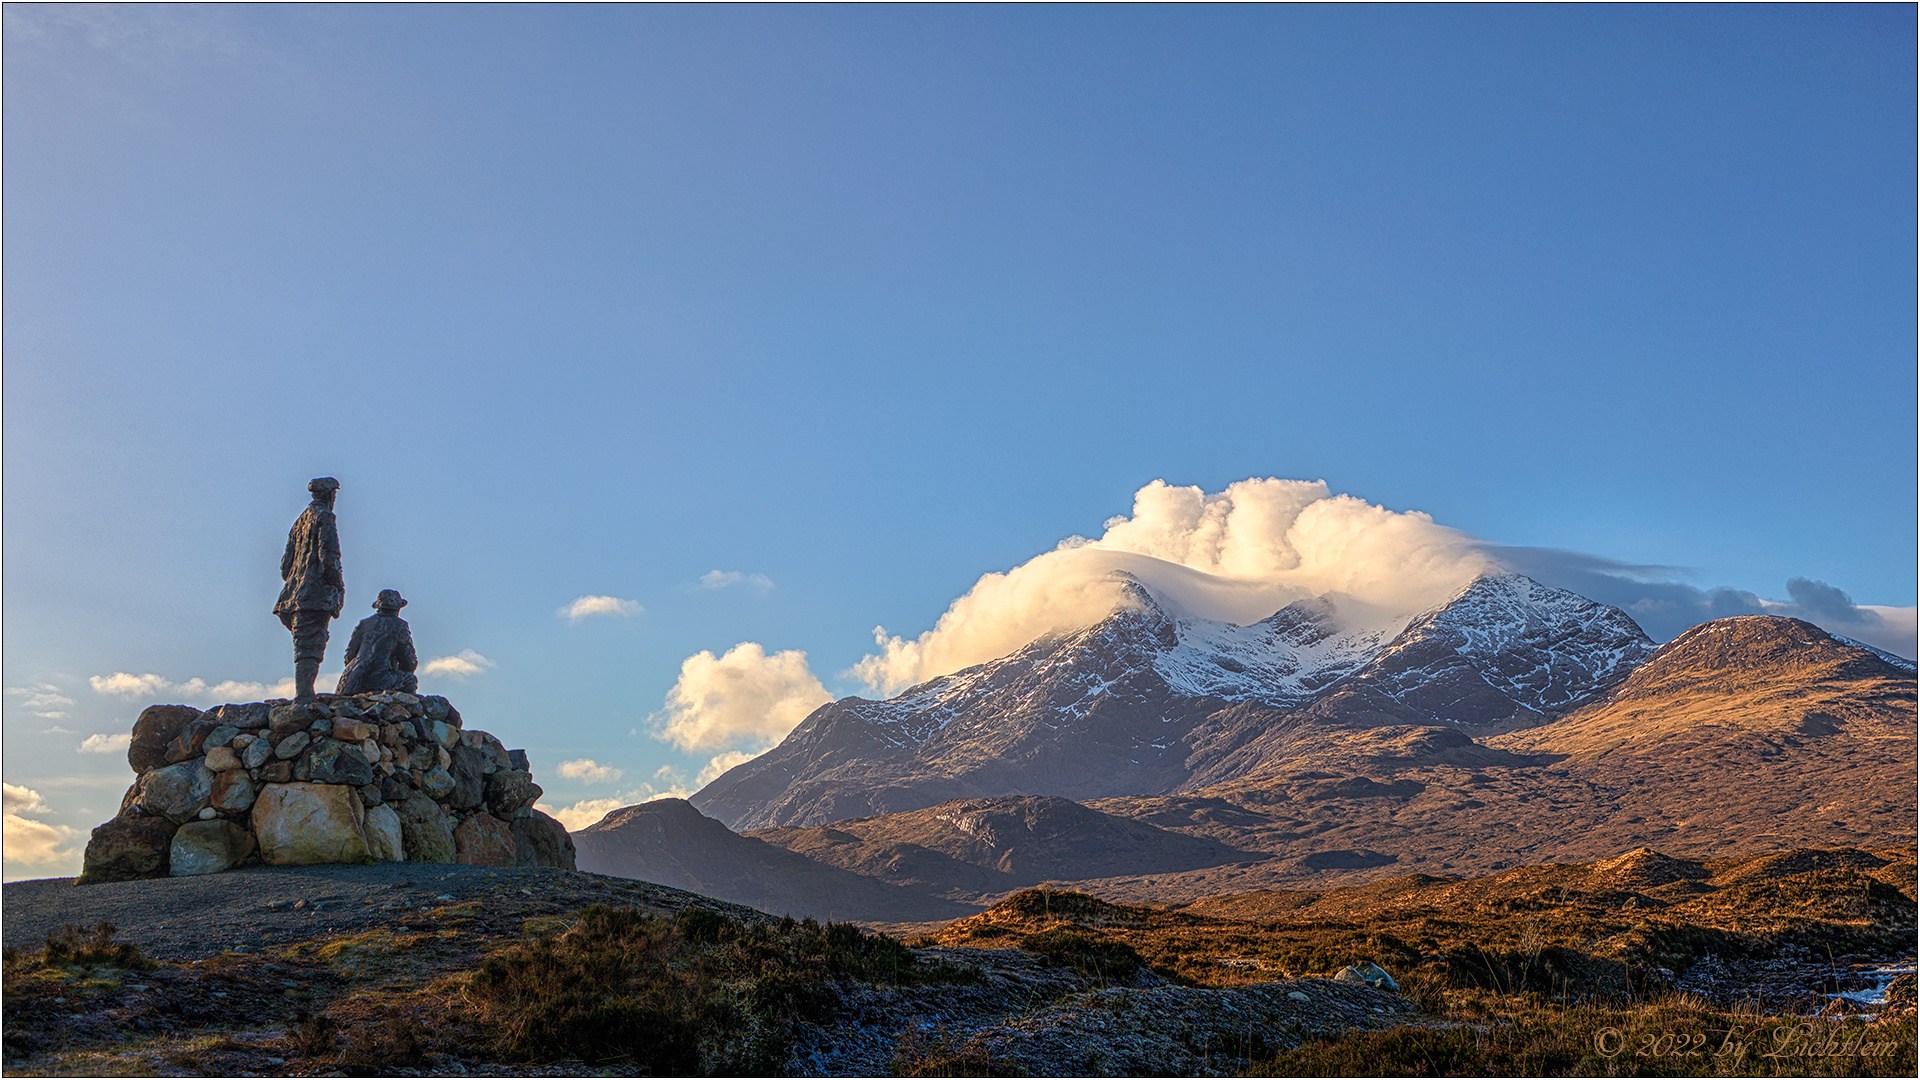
[{"x": 390, "y": 598}]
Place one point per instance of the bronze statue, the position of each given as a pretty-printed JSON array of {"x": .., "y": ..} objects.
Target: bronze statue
[
  {"x": 380, "y": 654},
  {"x": 314, "y": 590}
]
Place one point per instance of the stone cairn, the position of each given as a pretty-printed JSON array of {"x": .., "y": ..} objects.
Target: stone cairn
[{"x": 344, "y": 779}]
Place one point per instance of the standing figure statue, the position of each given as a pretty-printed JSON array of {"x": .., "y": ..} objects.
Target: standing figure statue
[
  {"x": 314, "y": 590},
  {"x": 380, "y": 654}
]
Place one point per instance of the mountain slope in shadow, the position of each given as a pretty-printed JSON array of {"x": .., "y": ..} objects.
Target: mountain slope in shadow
[
  {"x": 670, "y": 843},
  {"x": 980, "y": 849}
]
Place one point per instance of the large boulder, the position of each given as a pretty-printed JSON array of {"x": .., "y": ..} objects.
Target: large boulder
[
  {"x": 347, "y": 729},
  {"x": 246, "y": 717},
  {"x": 191, "y": 741},
  {"x": 310, "y": 823},
  {"x": 208, "y": 847},
  {"x": 541, "y": 841},
  {"x": 284, "y": 720},
  {"x": 469, "y": 778},
  {"x": 257, "y": 752},
  {"x": 437, "y": 783},
  {"x": 157, "y": 727},
  {"x": 1366, "y": 971},
  {"x": 490, "y": 748},
  {"x": 484, "y": 840},
  {"x": 128, "y": 847},
  {"x": 290, "y": 746},
  {"x": 177, "y": 792},
  {"x": 233, "y": 791},
  {"x": 508, "y": 790},
  {"x": 385, "y": 838},
  {"x": 440, "y": 709},
  {"x": 426, "y": 834},
  {"x": 335, "y": 762}
]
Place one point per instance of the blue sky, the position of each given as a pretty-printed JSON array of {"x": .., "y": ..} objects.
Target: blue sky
[{"x": 871, "y": 301}]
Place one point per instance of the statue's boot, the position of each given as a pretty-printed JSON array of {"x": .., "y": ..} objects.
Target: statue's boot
[{"x": 304, "y": 672}]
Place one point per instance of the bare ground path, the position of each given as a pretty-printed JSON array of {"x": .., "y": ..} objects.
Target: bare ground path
[{"x": 188, "y": 918}]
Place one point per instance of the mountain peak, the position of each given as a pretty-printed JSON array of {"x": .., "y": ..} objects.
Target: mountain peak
[
  {"x": 1115, "y": 707},
  {"x": 1505, "y": 651},
  {"x": 1135, "y": 593},
  {"x": 1738, "y": 648}
]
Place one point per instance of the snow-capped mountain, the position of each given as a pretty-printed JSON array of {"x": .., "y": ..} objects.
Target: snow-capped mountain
[
  {"x": 1287, "y": 658},
  {"x": 1506, "y": 651},
  {"x": 1141, "y": 701}
]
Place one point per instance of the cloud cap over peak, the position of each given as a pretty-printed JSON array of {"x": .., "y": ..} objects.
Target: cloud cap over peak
[
  {"x": 1236, "y": 555},
  {"x": 1240, "y": 554}
]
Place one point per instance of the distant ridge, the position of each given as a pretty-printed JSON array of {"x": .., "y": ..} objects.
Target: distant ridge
[
  {"x": 981, "y": 849},
  {"x": 668, "y": 842}
]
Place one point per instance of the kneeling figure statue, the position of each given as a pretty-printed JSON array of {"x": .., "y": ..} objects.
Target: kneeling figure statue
[{"x": 380, "y": 654}]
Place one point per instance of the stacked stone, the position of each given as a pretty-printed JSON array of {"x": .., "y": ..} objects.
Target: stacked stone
[{"x": 360, "y": 778}]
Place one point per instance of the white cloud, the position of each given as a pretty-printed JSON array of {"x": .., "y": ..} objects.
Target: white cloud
[
  {"x": 1898, "y": 631},
  {"x": 586, "y": 607},
  {"x": 723, "y": 579},
  {"x": 466, "y": 663},
  {"x": 58, "y": 730},
  {"x": 1239, "y": 555},
  {"x": 106, "y": 744},
  {"x": 42, "y": 699},
  {"x": 721, "y": 763},
  {"x": 30, "y": 842},
  {"x": 1664, "y": 606},
  {"x": 583, "y": 813},
  {"x": 149, "y": 686},
  {"x": 235, "y": 690},
  {"x": 667, "y": 783},
  {"x": 15, "y": 799},
  {"x": 589, "y": 771},
  {"x": 122, "y": 684},
  {"x": 745, "y": 697}
]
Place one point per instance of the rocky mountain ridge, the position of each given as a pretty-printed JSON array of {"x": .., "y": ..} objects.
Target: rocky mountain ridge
[
  {"x": 1744, "y": 735},
  {"x": 1150, "y": 702}
]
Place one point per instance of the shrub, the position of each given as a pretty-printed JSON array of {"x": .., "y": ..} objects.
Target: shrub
[
  {"x": 1673, "y": 1036},
  {"x": 72, "y": 946},
  {"x": 389, "y": 1046},
  {"x": 1096, "y": 958},
  {"x": 312, "y": 1034},
  {"x": 1073, "y": 906},
  {"x": 698, "y": 992}
]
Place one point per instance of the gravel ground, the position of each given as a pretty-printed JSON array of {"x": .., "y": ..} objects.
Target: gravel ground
[
  {"x": 189, "y": 918},
  {"x": 211, "y": 1012}
]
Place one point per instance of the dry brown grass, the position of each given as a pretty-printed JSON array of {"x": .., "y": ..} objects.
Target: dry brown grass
[{"x": 1569, "y": 931}]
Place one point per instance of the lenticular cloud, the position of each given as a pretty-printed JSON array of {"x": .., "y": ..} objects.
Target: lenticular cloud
[{"x": 1237, "y": 555}]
